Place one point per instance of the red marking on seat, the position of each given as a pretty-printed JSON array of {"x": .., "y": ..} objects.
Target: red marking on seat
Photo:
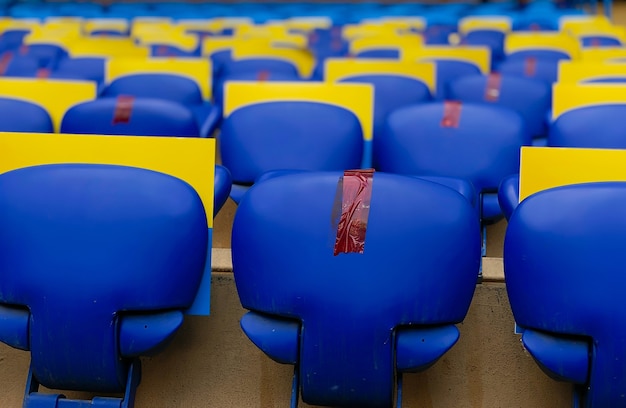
[
  {"x": 595, "y": 42},
  {"x": 23, "y": 49},
  {"x": 530, "y": 67},
  {"x": 492, "y": 89},
  {"x": 162, "y": 50},
  {"x": 356, "y": 194},
  {"x": 535, "y": 27},
  {"x": 43, "y": 73},
  {"x": 451, "y": 114},
  {"x": 5, "y": 60},
  {"x": 263, "y": 76},
  {"x": 123, "y": 109}
]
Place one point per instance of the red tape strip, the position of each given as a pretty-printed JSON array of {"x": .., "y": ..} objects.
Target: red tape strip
[
  {"x": 5, "y": 60},
  {"x": 23, "y": 49},
  {"x": 356, "y": 195},
  {"x": 451, "y": 114},
  {"x": 263, "y": 76},
  {"x": 43, "y": 73},
  {"x": 492, "y": 90},
  {"x": 530, "y": 66},
  {"x": 123, "y": 109}
]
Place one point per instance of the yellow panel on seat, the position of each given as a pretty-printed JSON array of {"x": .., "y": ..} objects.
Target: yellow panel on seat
[
  {"x": 56, "y": 96},
  {"x": 388, "y": 40},
  {"x": 106, "y": 47},
  {"x": 357, "y": 98},
  {"x": 582, "y": 71},
  {"x": 542, "y": 168},
  {"x": 120, "y": 25},
  {"x": 336, "y": 69},
  {"x": 197, "y": 69},
  {"x": 493, "y": 23},
  {"x": 532, "y": 40},
  {"x": 603, "y": 54},
  {"x": 570, "y": 96},
  {"x": 479, "y": 56},
  {"x": 189, "y": 159}
]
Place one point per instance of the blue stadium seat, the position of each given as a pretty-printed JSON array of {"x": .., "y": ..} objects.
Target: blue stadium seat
[
  {"x": 508, "y": 195},
  {"x": 590, "y": 127},
  {"x": 89, "y": 296},
  {"x": 449, "y": 70},
  {"x": 563, "y": 265},
  {"x": 288, "y": 135},
  {"x": 169, "y": 87},
  {"x": 352, "y": 323},
  {"x": 530, "y": 98},
  {"x": 130, "y": 116},
  {"x": 483, "y": 147},
  {"x": 88, "y": 68},
  {"x": 22, "y": 116},
  {"x": 392, "y": 92},
  {"x": 546, "y": 70},
  {"x": 222, "y": 184}
]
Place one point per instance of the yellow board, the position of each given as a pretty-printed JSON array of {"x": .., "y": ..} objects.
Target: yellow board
[
  {"x": 7, "y": 23},
  {"x": 603, "y": 54},
  {"x": 479, "y": 56},
  {"x": 336, "y": 69},
  {"x": 302, "y": 59},
  {"x": 531, "y": 40},
  {"x": 119, "y": 25},
  {"x": 570, "y": 96},
  {"x": 386, "y": 41},
  {"x": 495, "y": 23},
  {"x": 106, "y": 47},
  {"x": 579, "y": 71},
  {"x": 572, "y": 24},
  {"x": 197, "y": 69},
  {"x": 357, "y": 98},
  {"x": 56, "y": 96},
  {"x": 211, "y": 45},
  {"x": 189, "y": 159},
  {"x": 548, "y": 167},
  {"x": 173, "y": 37}
]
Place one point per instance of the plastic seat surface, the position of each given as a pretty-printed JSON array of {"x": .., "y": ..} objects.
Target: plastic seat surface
[
  {"x": 590, "y": 127},
  {"x": 114, "y": 248},
  {"x": 570, "y": 239},
  {"x": 147, "y": 117},
  {"x": 343, "y": 318},
  {"x": 289, "y": 135},
  {"x": 415, "y": 142},
  {"x": 530, "y": 98},
  {"x": 22, "y": 116}
]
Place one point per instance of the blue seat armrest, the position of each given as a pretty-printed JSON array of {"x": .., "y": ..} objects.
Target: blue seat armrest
[
  {"x": 14, "y": 326},
  {"x": 417, "y": 348},
  {"x": 562, "y": 358},
  {"x": 208, "y": 116},
  {"x": 508, "y": 195},
  {"x": 276, "y": 337},
  {"x": 491, "y": 211},
  {"x": 222, "y": 185},
  {"x": 144, "y": 334}
]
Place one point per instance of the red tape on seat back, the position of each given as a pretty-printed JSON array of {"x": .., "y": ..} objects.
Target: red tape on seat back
[
  {"x": 43, "y": 73},
  {"x": 123, "y": 109},
  {"x": 5, "y": 60},
  {"x": 263, "y": 76},
  {"x": 451, "y": 114},
  {"x": 492, "y": 90},
  {"x": 530, "y": 66},
  {"x": 354, "y": 193}
]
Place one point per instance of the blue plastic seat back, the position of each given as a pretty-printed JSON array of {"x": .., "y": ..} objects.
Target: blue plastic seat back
[
  {"x": 166, "y": 50},
  {"x": 392, "y": 92},
  {"x": 449, "y": 70},
  {"x": 256, "y": 65},
  {"x": 551, "y": 55},
  {"x": 508, "y": 195},
  {"x": 600, "y": 41},
  {"x": 530, "y": 98},
  {"x": 23, "y": 116},
  {"x": 289, "y": 135},
  {"x": 47, "y": 54},
  {"x": 418, "y": 268},
  {"x": 222, "y": 184},
  {"x": 546, "y": 70},
  {"x": 563, "y": 263},
  {"x": 89, "y": 68},
  {"x": 492, "y": 39},
  {"x": 110, "y": 241},
  {"x": 170, "y": 87},
  {"x": 379, "y": 53},
  {"x": 590, "y": 127},
  {"x": 19, "y": 66},
  {"x": 147, "y": 117},
  {"x": 13, "y": 38},
  {"x": 483, "y": 149}
]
